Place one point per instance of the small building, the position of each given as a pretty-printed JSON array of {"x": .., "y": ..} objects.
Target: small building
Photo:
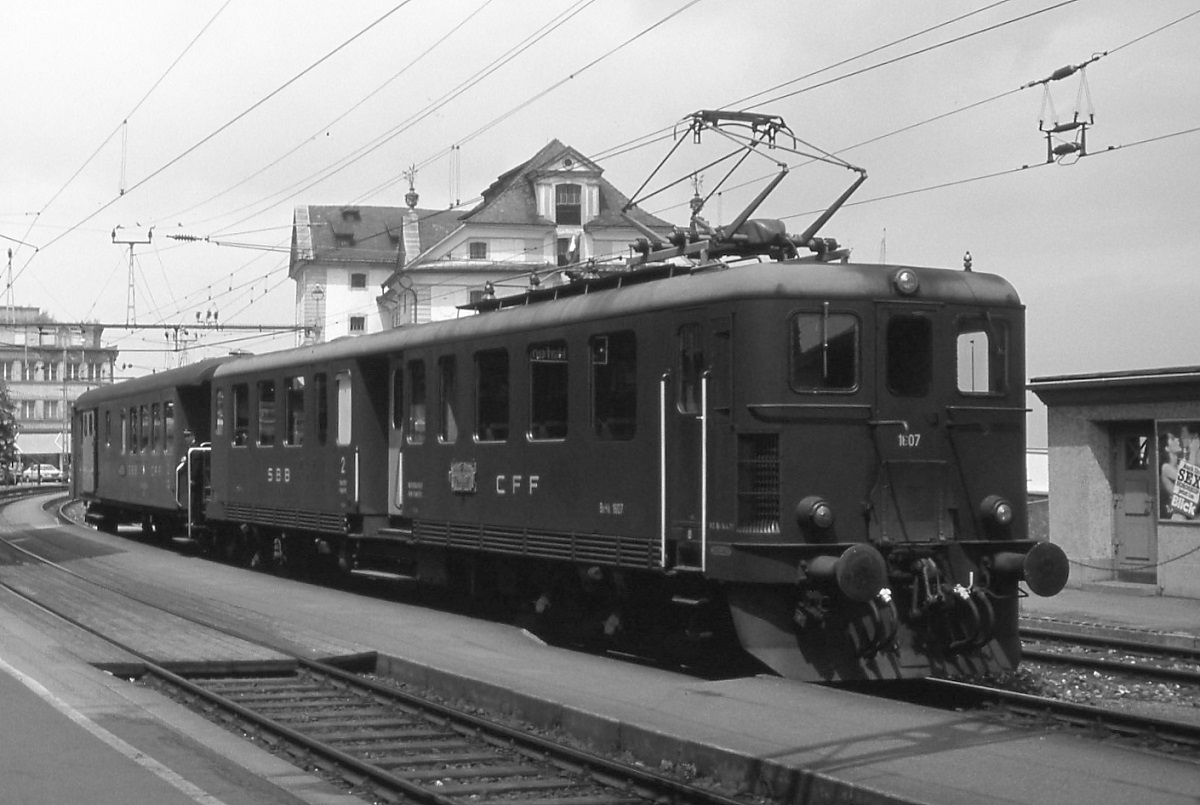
[
  {"x": 361, "y": 269},
  {"x": 1124, "y": 470},
  {"x": 46, "y": 365}
]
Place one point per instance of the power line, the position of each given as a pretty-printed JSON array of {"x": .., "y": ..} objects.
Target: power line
[{"x": 227, "y": 124}]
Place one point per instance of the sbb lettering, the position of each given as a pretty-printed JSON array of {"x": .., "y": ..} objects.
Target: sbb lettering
[{"x": 279, "y": 475}]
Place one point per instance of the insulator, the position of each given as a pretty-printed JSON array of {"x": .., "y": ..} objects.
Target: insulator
[
  {"x": 1066, "y": 148},
  {"x": 1063, "y": 72}
]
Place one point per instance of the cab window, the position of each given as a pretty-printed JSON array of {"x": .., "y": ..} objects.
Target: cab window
[
  {"x": 982, "y": 351},
  {"x": 823, "y": 351}
]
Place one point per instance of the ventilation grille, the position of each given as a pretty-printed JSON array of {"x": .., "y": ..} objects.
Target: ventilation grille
[
  {"x": 297, "y": 519},
  {"x": 758, "y": 483},
  {"x": 607, "y": 549}
]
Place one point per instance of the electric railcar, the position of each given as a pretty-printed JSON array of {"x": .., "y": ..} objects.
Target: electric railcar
[{"x": 827, "y": 460}]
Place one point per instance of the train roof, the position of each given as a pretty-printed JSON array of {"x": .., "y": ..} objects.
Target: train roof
[
  {"x": 192, "y": 375},
  {"x": 545, "y": 309}
]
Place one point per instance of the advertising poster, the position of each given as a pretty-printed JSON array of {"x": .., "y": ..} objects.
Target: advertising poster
[{"x": 1179, "y": 471}]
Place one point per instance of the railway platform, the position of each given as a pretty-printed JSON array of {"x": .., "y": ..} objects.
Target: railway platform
[{"x": 805, "y": 743}]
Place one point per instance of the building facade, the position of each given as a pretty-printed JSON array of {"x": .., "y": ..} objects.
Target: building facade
[
  {"x": 364, "y": 269},
  {"x": 45, "y": 366},
  {"x": 1124, "y": 469}
]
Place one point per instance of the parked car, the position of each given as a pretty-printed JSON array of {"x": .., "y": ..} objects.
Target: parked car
[{"x": 38, "y": 473}]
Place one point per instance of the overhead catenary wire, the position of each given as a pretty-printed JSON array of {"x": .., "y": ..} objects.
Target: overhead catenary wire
[{"x": 225, "y": 126}]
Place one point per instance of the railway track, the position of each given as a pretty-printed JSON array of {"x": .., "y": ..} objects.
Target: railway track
[
  {"x": 1113, "y": 669},
  {"x": 390, "y": 745},
  {"x": 1112, "y": 655},
  {"x": 1171, "y": 735},
  {"x": 395, "y": 746}
]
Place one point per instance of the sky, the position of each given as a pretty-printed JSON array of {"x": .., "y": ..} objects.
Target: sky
[{"x": 214, "y": 119}]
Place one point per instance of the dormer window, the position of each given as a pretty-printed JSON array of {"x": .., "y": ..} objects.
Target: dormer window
[
  {"x": 478, "y": 250},
  {"x": 568, "y": 204},
  {"x": 351, "y": 214}
]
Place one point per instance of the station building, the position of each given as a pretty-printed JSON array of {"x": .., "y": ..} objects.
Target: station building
[
  {"x": 45, "y": 366},
  {"x": 1124, "y": 477}
]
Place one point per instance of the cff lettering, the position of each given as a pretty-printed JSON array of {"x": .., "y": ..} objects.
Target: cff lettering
[{"x": 516, "y": 484}]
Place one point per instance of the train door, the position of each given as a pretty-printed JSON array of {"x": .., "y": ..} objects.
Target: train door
[
  {"x": 910, "y": 499},
  {"x": 88, "y": 451},
  {"x": 1134, "y": 539},
  {"x": 685, "y": 419}
]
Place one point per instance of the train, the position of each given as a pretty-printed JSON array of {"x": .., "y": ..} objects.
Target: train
[{"x": 817, "y": 462}]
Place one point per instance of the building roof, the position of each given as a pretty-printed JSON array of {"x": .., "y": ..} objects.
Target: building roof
[
  {"x": 510, "y": 199},
  {"x": 1167, "y": 384},
  {"x": 366, "y": 234}
]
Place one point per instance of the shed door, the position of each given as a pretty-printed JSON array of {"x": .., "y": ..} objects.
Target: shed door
[{"x": 1135, "y": 539}]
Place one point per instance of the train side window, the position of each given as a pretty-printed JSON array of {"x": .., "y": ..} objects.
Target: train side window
[
  {"x": 108, "y": 428},
  {"x": 219, "y": 422},
  {"x": 691, "y": 369},
  {"x": 345, "y": 408},
  {"x": 124, "y": 433},
  {"x": 909, "y": 355},
  {"x": 293, "y": 411},
  {"x": 155, "y": 426},
  {"x": 982, "y": 355},
  {"x": 491, "y": 396},
  {"x": 614, "y": 386},
  {"x": 146, "y": 430},
  {"x": 266, "y": 413},
  {"x": 132, "y": 433},
  {"x": 241, "y": 414},
  {"x": 321, "y": 395},
  {"x": 169, "y": 426},
  {"x": 397, "y": 398},
  {"x": 448, "y": 425},
  {"x": 823, "y": 351},
  {"x": 416, "y": 411},
  {"x": 548, "y": 391}
]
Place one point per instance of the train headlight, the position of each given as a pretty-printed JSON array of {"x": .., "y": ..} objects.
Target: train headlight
[
  {"x": 815, "y": 511},
  {"x": 906, "y": 282},
  {"x": 997, "y": 509}
]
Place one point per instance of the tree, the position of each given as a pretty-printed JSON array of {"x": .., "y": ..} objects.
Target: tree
[{"x": 8, "y": 429}]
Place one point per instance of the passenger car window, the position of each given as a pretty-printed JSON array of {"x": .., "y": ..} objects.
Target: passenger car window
[
  {"x": 823, "y": 351},
  {"x": 345, "y": 408},
  {"x": 241, "y": 414},
  {"x": 614, "y": 385},
  {"x": 266, "y": 413},
  {"x": 416, "y": 410},
  {"x": 548, "y": 375},
  {"x": 321, "y": 394},
  {"x": 448, "y": 425},
  {"x": 491, "y": 396},
  {"x": 219, "y": 424},
  {"x": 293, "y": 403}
]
